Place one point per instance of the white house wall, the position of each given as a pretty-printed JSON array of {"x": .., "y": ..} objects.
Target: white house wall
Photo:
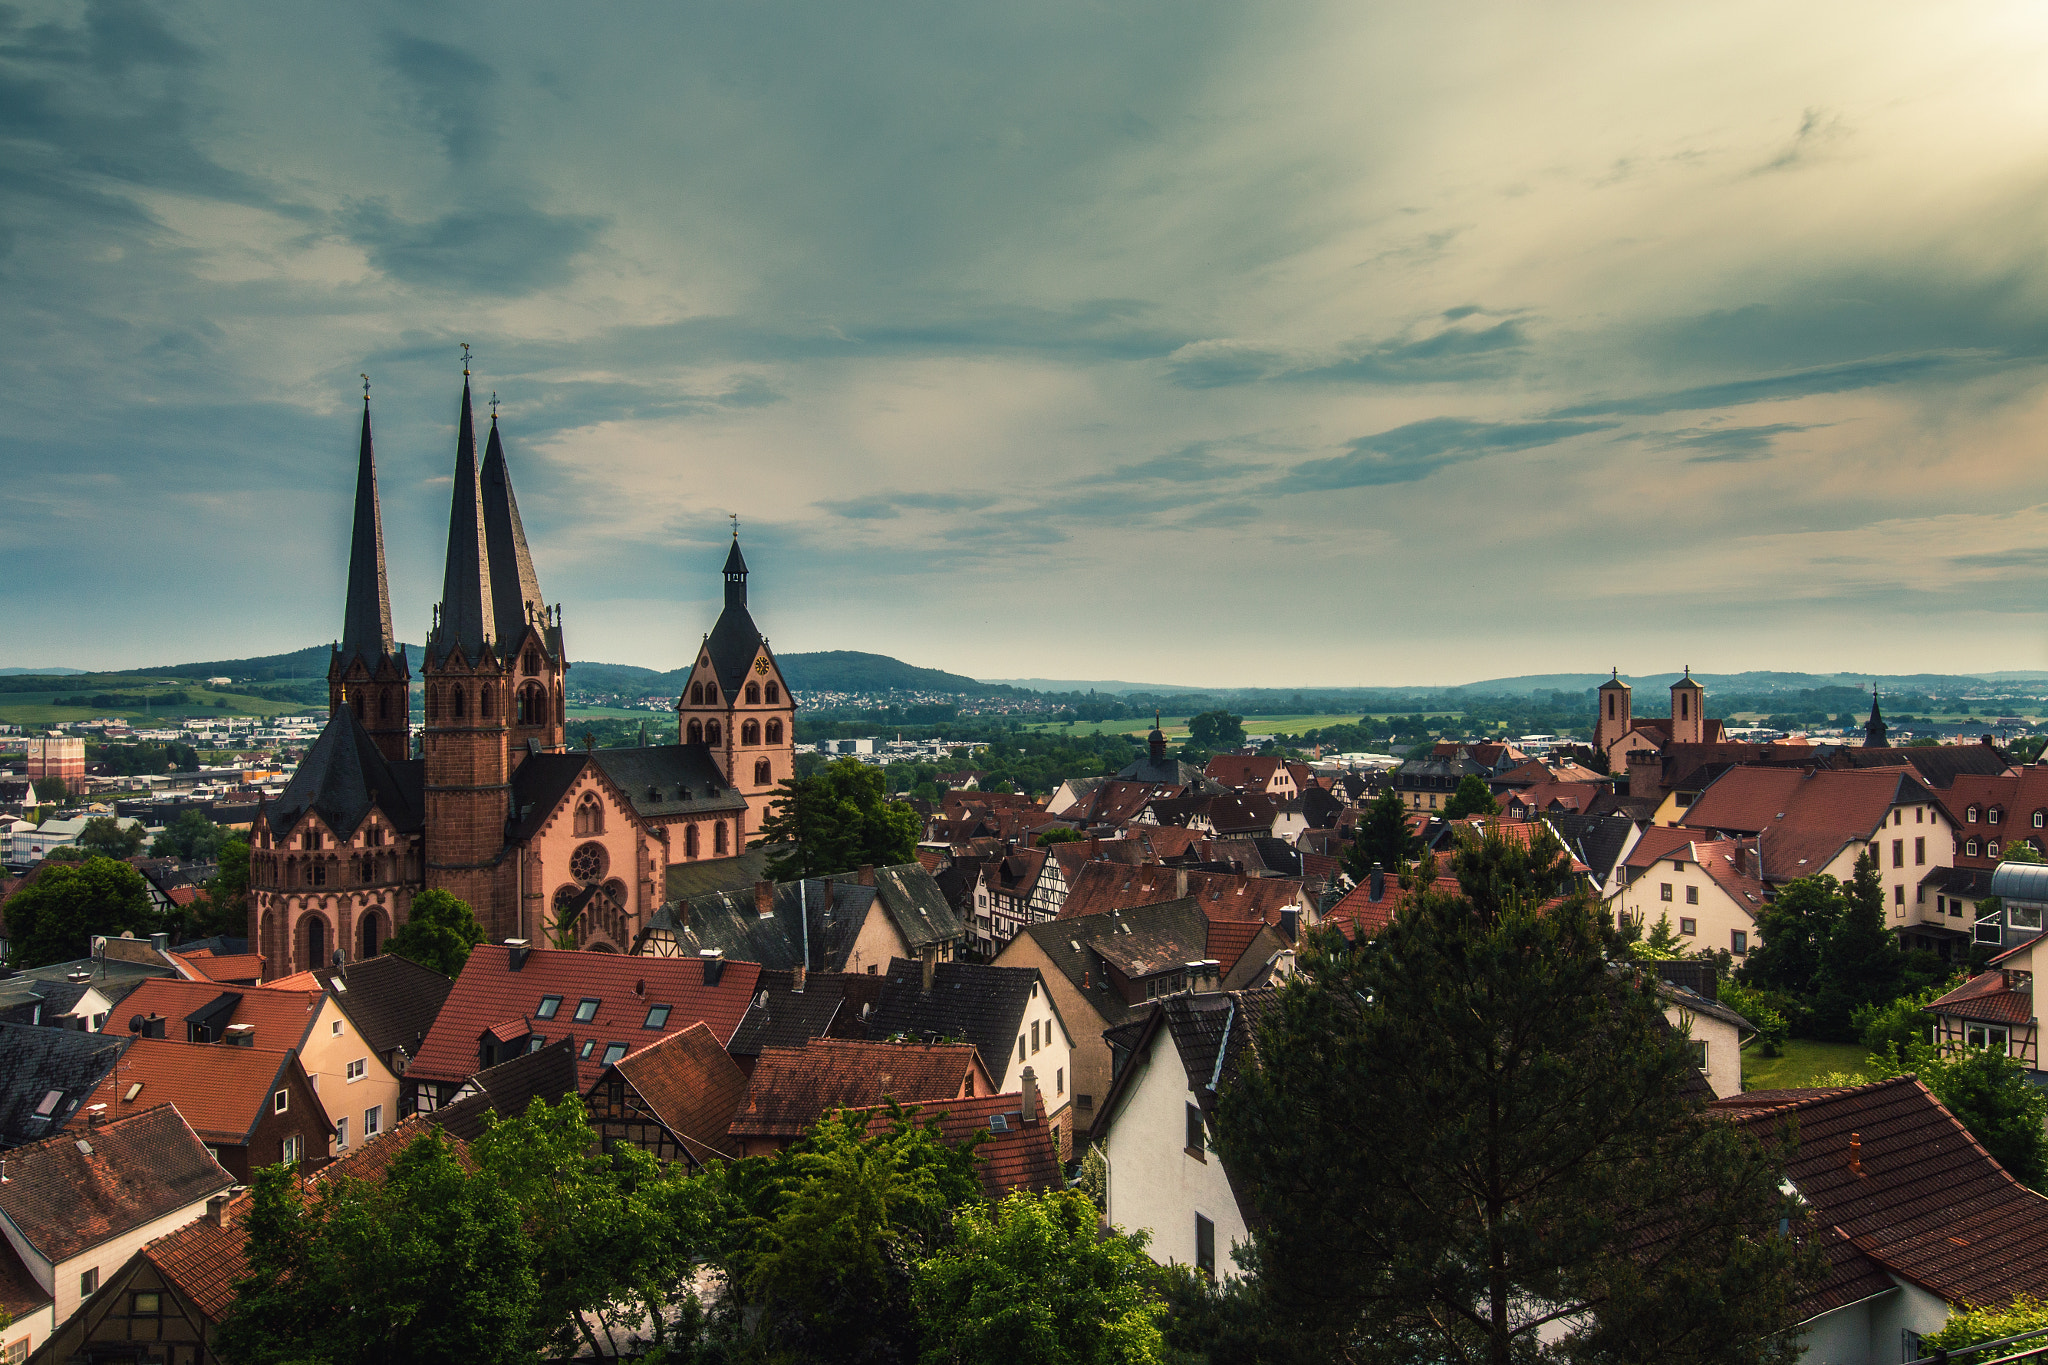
[{"x": 1154, "y": 1184}]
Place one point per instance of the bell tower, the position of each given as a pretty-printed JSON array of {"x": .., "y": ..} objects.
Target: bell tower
[
  {"x": 736, "y": 702},
  {"x": 1614, "y": 719},
  {"x": 1688, "y": 710},
  {"x": 368, "y": 673},
  {"x": 527, "y": 633}
]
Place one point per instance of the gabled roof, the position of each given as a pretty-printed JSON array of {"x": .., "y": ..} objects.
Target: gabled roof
[
  {"x": 688, "y": 880},
  {"x": 731, "y": 921},
  {"x": 1989, "y": 997},
  {"x": 70, "y": 1193},
  {"x": 207, "y": 965},
  {"x": 690, "y": 1084},
  {"x": 1163, "y": 935},
  {"x": 489, "y": 993},
  {"x": 281, "y": 1018},
  {"x": 20, "y": 1294},
  {"x": 915, "y": 905},
  {"x": 792, "y": 1088},
  {"x": 391, "y": 1000},
  {"x": 36, "y": 1061},
  {"x": 1805, "y": 815},
  {"x": 1928, "y": 1205},
  {"x": 507, "y": 1088},
  {"x": 343, "y": 776},
  {"x": 830, "y": 1004},
  {"x": 222, "y": 1091},
  {"x": 1595, "y": 840},
  {"x": 1361, "y": 914},
  {"x": 656, "y": 781},
  {"x": 968, "y": 1001},
  {"x": 1016, "y": 1156},
  {"x": 1242, "y": 770},
  {"x": 1101, "y": 887}
]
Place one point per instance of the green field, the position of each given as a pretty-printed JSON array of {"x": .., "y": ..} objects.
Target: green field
[
  {"x": 1176, "y": 727},
  {"x": 622, "y": 713},
  {"x": 38, "y": 708},
  {"x": 1804, "y": 1059}
]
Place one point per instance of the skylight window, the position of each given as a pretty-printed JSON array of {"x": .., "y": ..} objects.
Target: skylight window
[
  {"x": 48, "y": 1104},
  {"x": 657, "y": 1016},
  {"x": 586, "y": 1010},
  {"x": 588, "y": 1044},
  {"x": 613, "y": 1051},
  {"x": 547, "y": 1007}
]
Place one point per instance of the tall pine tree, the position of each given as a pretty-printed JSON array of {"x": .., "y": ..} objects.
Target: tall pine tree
[{"x": 1860, "y": 962}]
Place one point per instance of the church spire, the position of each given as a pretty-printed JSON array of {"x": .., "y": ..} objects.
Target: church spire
[
  {"x": 366, "y": 615},
  {"x": 736, "y": 572},
  {"x": 515, "y": 588},
  {"x": 1874, "y": 729},
  {"x": 465, "y": 618}
]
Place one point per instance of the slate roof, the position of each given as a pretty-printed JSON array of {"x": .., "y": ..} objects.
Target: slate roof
[
  {"x": 489, "y": 993},
  {"x": 1939, "y": 765},
  {"x": 515, "y": 588},
  {"x": 392, "y": 1001},
  {"x": 342, "y": 777},
  {"x": 507, "y": 1088},
  {"x": 1018, "y": 1156},
  {"x": 69, "y": 1193},
  {"x": 915, "y": 905},
  {"x": 466, "y": 621},
  {"x": 111, "y": 977},
  {"x": 659, "y": 781},
  {"x": 35, "y": 1060},
  {"x": 792, "y": 1088},
  {"x": 366, "y": 615},
  {"x": 1988, "y": 997},
  {"x": 1166, "y": 934},
  {"x": 222, "y": 1091},
  {"x": 968, "y": 1001},
  {"x": 691, "y": 1085},
  {"x": 731, "y": 921},
  {"x": 782, "y": 1016},
  {"x": 735, "y": 639},
  {"x": 1169, "y": 772},
  {"x": 281, "y": 1018},
  {"x": 1930, "y": 1205},
  {"x": 1595, "y": 840},
  {"x": 686, "y": 881}
]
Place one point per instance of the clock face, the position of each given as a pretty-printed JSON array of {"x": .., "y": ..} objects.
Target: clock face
[{"x": 761, "y": 665}]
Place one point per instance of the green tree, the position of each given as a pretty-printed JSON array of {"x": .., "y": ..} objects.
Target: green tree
[
  {"x": 1383, "y": 837},
  {"x": 2022, "y": 851},
  {"x": 1537, "y": 1161},
  {"x": 1662, "y": 944},
  {"x": 839, "y": 820},
  {"x": 1213, "y": 730},
  {"x": 1860, "y": 962},
  {"x": 224, "y": 908},
  {"x": 438, "y": 933},
  {"x": 1762, "y": 1009},
  {"x": 106, "y": 837},
  {"x": 1031, "y": 1281},
  {"x": 1889, "y": 1029},
  {"x": 1059, "y": 834},
  {"x": 1473, "y": 797},
  {"x": 52, "y": 791},
  {"x": 1794, "y": 927},
  {"x": 192, "y": 837},
  {"x": 54, "y": 917},
  {"x": 1968, "y": 1325}
]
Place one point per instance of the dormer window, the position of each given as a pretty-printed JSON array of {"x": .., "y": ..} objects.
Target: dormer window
[
  {"x": 1971, "y": 815},
  {"x": 1996, "y": 812}
]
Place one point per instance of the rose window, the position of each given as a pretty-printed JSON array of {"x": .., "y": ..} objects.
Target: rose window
[{"x": 587, "y": 864}]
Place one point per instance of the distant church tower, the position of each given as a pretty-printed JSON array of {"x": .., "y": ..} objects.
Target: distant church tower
[
  {"x": 1688, "y": 710},
  {"x": 736, "y": 702},
  {"x": 1874, "y": 730},
  {"x": 1614, "y": 719},
  {"x": 368, "y": 673},
  {"x": 494, "y": 672}
]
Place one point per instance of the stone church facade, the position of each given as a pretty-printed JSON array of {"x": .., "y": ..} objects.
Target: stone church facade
[{"x": 553, "y": 845}]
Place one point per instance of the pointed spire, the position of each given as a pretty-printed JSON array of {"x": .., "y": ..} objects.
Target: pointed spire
[
  {"x": 465, "y": 610},
  {"x": 735, "y": 572},
  {"x": 1874, "y": 730},
  {"x": 515, "y": 588},
  {"x": 366, "y": 614}
]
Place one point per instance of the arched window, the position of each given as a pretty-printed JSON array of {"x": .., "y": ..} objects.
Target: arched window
[
  {"x": 712, "y": 733},
  {"x": 561, "y": 709},
  {"x": 1991, "y": 849},
  {"x": 695, "y": 732},
  {"x": 711, "y": 694},
  {"x": 763, "y": 774},
  {"x": 589, "y": 816},
  {"x": 486, "y": 703},
  {"x": 313, "y": 930},
  {"x": 533, "y": 705},
  {"x": 1971, "y": 815},
  {"x": 588, "y": 863},
  {"x": 774, "y": 731},
  {"x": 2040, "y": 818},
  {"x": 1996, "y": 812},
  {"x": 718, "y": 837},
  {"x": 372, "y": 934},
  {"x": 1971, "y": 848},
  {"x": 690, "y": 841},
  {"x": 616, "y": 891},
  {"x": 384, "y": 707},
  {"x": 532, "y": 662},
  {"x": 358, "y": 701},
  {"x": 774, "y": 693},
  {"x": 753, "y": 694},
  {"x": 750, "y": 733},
  {"x": 458, "y": 703}
]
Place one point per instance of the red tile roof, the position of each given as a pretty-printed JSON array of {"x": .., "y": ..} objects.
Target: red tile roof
[
  {"x": 1929, "y": 1204},
  {"x": 1019, "y": 1156},
  {"x": 490, "y": 993},
  {"x": 232, "y": 967},
  {"x": 69, "y": 1193},
  {"x": 1102, "y": 887},
  {"x": 220, "y": 1090},
  {"x": 1242, "y": 770},
  {"x": 691, "y": 1085},
  {"x": 20, "y": 1295},
  {"x": 1806, "y": 816},
  {"x": 1988, "y": 997},
  {"x": 1229, "y": 938},
  {"x": 1358, "y": 915},
  {"x": 281, "y": 1018},
  {"x": 792, "y": 1088}
]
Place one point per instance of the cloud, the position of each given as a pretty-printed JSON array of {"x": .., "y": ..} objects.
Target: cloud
[
  {"x": 1195, "y": 462},
  {"x": 1460, "y": 343},
  {"x": 506, "y": 245},
  {"x": 1818, "y": 130},
  {"x": 1844, "y": 378},
  {"x": 889, "y": 506},
  {"x": 1417, "y": 450},
  {"x": 1728, "y": 445},
  {"x": 448, "y": 90}
]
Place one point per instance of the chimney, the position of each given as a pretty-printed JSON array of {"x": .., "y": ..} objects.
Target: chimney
[
  {"x": 1856, "y": 1153},
  {"x": 153, "y": 1027},
  {"x": 1094, "y": 846},
  {"x": 217, "y": 1210},
  {"x": 1030, "y": 1114},
  {"x": 1986, "y": 741},
  {"x": 929, "y": 968},
  {"x": 764, "y": 898},
  {"x": 796, "y": 985},
  {"x": 516, "y": 951},
  {"x": 1290, "y": 922},
  {"x": 866, "y": 876},
  {"x": 95, "y": 1115},
  {"x": 1377, "y": 883},
  {"x": 714, "y": 964},
  {"x": 162, "y": 942},
  {"x": 241, "y": 1035}
]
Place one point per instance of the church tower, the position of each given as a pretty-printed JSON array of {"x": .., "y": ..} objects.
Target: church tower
[
  {"x": 1688, "y": 710},
  {"x": 367, "y": 672},
  {"x": 527, "y": 634},
  {"x": 737, "y": 703},
  {"x": 1614, "y": 719},
  {"x": 1874, "y": 729},
  {"x": 467, "y": 736}
]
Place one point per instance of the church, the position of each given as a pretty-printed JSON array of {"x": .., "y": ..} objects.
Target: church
[{"x": 562, "y": 846}]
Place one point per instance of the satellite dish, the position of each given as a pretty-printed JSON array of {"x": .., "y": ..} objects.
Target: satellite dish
[
  {"x": 340, "y": 957},
  {"x": 135, "y": 1023}
]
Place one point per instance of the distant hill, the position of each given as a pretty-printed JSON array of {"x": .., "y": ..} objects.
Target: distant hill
[
  {"x": 1753, "y": 682},
  {"x": 300, "y": 663},
  {"x": 845, "y": 670},
  {"x": 51, "y": 672},
  {"x": 1096, "y": 685}
]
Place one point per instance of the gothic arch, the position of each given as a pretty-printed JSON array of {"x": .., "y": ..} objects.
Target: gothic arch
[
  {"x": 712, "y": 733},
  {"x": 533, "y": 704},
  {"x": 689, "y": 841},
  {"x": 313, "y": 939},
  {"x": 774, "y": 694},
  {"x": 372, "y": 934},
  {"x": 589, "y": 816},
  {"x": 763, "y": 774}
]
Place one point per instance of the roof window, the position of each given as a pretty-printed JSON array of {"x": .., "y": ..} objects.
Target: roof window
[
  {"x": 547, "y": 1007},
  {"x": 586, "y": 1010},
  {"x": 613, "y": 1051},
  {"x": 657, "y": 1016},
  {"x": 584, "y": 1053},
  {"x": 48, "y": 1104}
]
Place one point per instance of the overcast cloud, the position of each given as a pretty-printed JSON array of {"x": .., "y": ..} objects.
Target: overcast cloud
[{"x": 1196, "y": 342}]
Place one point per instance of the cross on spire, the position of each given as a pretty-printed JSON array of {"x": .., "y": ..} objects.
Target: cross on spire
[
  {"x": 494, "y": 405},
  {"x": 465, "y": 360},
  {"x": 735, "y": 524},
  {"x": 366, "y": 391}
]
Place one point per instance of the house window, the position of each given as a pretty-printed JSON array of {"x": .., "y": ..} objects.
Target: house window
[
  {"x": 1034, "y": 1035},
  {"x": 1971, "y": 848},
  {"x": 1920, "y": 852},
  {"x": 1996, "y": 812},
  {"x": 1688, "y": 927},
  {"x": 1664, "y": 891},
  {"x": 340, "y": 1133},
  {"x": 1692, "y": 895},
  {"x": 1898, "y": 853},
  {"x": 1697, "y": 1047},
  {"x": 1898, "y": 895},
  {"x": 1059, "y": 1081},
  {"x": 586, "y": 1010},
  {"x": 2021, "y": 915},
  {"x": 373, "y": 1120},
  {"x": 589, "y": 1044},
  {"x": 1987, "y": 931},
  {"x": 89, "y": 1282},
  {"x": 1677, "y": 866},
  {"x": 280, "y": 1102},
  {"x": 1971, "y": 815},
  {"x": 1205, "y": 1246},
  {"x": 1985, "y": 1035},
  {"x": 2040, "y": 817},
  {"x": 547, "y": 1007},
  {"x": 291, "y": 1150},
  {"x": 612, "y": 1052},
  {"x": 335, "y": 1029},
  {"x": 1992, "y": 848},
  {"x": 1197, "y": 1138},
  {"x": 1021, "y": 1053},
  {"x": 1738, "y": 942},
  {"x": 358, "y": 1069},
  {"x": 147, "y": 1303},
  {"x": 1955, "y": 907},
  {"x": 657, "y": 1017}
]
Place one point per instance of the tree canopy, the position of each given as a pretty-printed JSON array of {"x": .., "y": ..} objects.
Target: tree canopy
[
  {"x": 1538, "y": 1165},
  {"x": 438, "y": 933},
  {"x": 1213, "y": 730},
  {"x": 1473, "y": 797},
  {"x": 838, "y": 820},
  {"x": 54, "y": 917},
  {"x": 105, "y": 837},
  {"x": 1383, "y": 837},
  {"x": 192, "y": 837}
]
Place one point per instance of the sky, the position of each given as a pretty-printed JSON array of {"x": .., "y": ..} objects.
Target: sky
[{"x": 1226, "y": 344}]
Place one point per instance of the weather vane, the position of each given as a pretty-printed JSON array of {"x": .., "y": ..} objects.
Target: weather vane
[
  {"x": 366, "y": 390},
  {"x": 465, "y": 360},
  {"x": 735, "y": 524},
  {"x": 494, "y": 405}
]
